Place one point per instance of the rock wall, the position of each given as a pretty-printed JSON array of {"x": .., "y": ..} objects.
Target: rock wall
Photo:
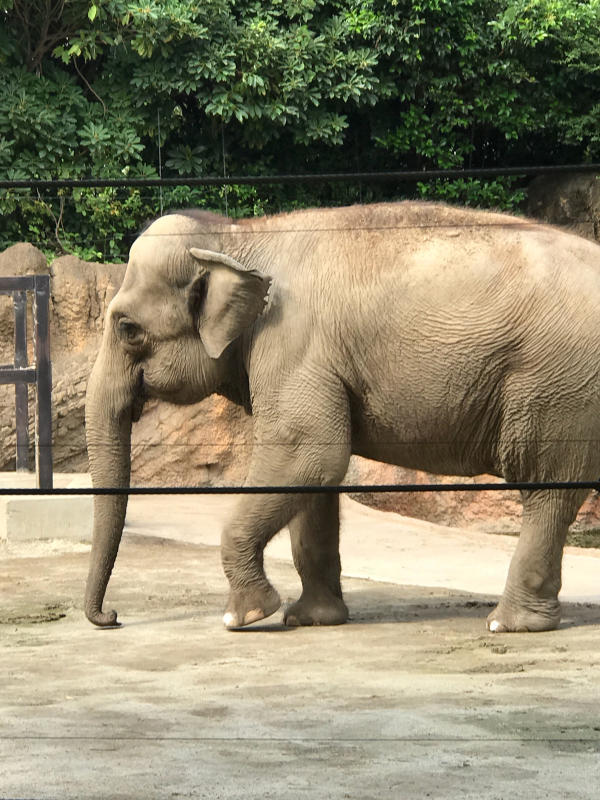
[
  {"x": 209, "y": 443},
  {"x": 206, "y": 443},
  {"x": 571, "y": 201},
  {"x": 80, "y": 292}
]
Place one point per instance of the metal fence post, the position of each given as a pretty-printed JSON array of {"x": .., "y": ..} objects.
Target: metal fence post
[
  {"x": 21, "y": 374},
  {"x": 43, "y": 417}
]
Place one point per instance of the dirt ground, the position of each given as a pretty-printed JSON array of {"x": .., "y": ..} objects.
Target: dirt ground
[{"x": 411, "y": 699}]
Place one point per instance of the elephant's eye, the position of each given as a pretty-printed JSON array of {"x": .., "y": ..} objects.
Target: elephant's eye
[{"x": 130, "y": 332}]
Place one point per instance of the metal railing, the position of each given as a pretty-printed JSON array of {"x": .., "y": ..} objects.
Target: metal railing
[{"x": 21, "y": 373}]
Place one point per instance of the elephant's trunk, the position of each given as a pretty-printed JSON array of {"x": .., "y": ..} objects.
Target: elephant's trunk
[{"x": 108, "y": 414}]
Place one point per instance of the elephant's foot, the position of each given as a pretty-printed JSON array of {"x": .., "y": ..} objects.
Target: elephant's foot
[
  {"x": 250, "y": 605},
  {"x": 323, "y": 610},
  {"x": 509, "y": 618}
]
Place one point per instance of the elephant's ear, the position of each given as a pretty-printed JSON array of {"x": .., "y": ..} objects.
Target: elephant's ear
[{"x": 224, "y": 298}]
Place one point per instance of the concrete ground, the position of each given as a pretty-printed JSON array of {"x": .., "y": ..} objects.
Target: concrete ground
[{"x": 411, "y": 699}]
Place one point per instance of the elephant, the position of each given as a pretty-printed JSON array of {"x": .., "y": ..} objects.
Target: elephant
[{"x": 439, "y": 338}]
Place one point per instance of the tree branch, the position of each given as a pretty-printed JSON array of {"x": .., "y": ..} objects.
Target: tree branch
[
  {"x": 85, "y": 80},
  {"x": 57, "y": 222},
  {"x": 23, "y": 15}
]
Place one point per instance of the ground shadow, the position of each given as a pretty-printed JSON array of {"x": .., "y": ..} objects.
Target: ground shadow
[{"x": 379, "y": 603}]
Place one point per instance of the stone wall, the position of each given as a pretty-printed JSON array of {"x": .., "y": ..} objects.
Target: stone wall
[
  {"x": 80, "y": 292},
  {"x": 571, "y": 201}
]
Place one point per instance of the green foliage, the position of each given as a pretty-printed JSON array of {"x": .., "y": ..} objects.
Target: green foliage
[
  {"x": 556, "y": 43},
  {"x": 113, "y": 88},
  {"x": 499, "y": 193}
]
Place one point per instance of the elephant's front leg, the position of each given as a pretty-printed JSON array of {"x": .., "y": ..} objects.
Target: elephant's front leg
[
  {"x": 307, "y": 443},
  {"x": 315, "y": 538},
  {"x": 258, "y": 519}
]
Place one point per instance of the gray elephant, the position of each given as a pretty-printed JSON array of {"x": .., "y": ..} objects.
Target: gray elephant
[{"x": 442, "y": 339}]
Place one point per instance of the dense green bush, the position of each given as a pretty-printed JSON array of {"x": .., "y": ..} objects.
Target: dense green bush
[{"x": 113, "y": 88}]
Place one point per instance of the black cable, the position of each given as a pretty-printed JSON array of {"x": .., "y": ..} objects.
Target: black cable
[
  {"x": 341, "y": 489},
  {"x": 261, "y": 180}
]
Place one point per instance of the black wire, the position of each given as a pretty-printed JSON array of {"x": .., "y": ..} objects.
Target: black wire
[
  {"x": 261, "y": 180},
  {"x": 320, "y": 739},
  {"x": 131, "y": 235},
  {"x": 341, "y": 489}
]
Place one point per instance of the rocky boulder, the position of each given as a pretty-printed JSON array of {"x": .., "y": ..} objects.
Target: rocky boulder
[{"x": 570, "y": 201}]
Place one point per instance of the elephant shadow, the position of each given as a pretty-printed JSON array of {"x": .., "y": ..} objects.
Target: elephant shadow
[{"x": 387, "y": 603}]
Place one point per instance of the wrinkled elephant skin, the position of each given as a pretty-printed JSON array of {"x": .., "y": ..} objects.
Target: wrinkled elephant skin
[{"x": 431, "y": 337}]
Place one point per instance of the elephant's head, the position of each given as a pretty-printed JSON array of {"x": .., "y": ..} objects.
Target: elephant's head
[{"x": 167, "y": 334}]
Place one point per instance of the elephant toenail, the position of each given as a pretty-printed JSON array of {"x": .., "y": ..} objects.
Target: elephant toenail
[{"x": 253, "y": 616}]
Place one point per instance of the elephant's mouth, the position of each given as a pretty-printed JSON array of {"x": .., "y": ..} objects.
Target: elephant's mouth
[
  {"x": 140, "y": 397},
  {"x": 177, "y": 392}
]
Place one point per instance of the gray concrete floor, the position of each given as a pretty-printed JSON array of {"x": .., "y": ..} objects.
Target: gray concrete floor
[{"x": 411, "y": 699}]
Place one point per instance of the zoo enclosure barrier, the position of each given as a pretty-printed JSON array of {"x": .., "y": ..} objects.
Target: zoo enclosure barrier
[
  {"x": 393, "y": 176},
  {"x": 21, "y": 373}
]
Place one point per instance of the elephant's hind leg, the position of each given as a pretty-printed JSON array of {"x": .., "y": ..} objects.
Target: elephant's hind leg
[
  {"x": 530, "y": 599},
  {"x": 314, "y": 533}
]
